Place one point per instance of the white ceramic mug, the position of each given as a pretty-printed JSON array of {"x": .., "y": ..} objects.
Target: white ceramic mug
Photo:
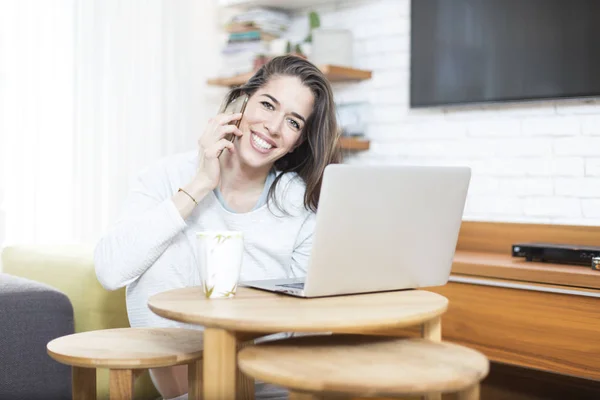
[{"x": 220, "y": 255}]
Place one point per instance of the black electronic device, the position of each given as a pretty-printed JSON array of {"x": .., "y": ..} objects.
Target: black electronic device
[
  {"x": 490, "y": 51},
  {"x": 556, "y": 253}
]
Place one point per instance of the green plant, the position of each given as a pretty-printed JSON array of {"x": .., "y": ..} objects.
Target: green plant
[
  {"x": 231, "y": 292},
  {"x": 208, "y": 290},
  {"x": 314, "y": 22}
]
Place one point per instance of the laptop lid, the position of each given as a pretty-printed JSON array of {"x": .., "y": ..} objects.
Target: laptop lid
[{"x": 385, "y": 228}]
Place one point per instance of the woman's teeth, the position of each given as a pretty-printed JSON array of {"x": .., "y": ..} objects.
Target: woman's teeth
[{"x": 260, "y": 142}]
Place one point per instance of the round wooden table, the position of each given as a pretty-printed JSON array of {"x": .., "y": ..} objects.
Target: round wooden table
[
  {"x": 253, "y": 313},
  {"x": 360, "y": 366},
  {"x": 126, "y": 352}
]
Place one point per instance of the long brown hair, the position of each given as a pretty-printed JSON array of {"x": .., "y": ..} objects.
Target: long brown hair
[{"x": 319, "y": 140}]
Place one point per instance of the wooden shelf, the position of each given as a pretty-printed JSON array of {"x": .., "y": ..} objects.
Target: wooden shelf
[
  {"x": 343, "y": 74},
  {"x": 484, "y": 250},
  {"x": 333, "y": 72},
  {"x": 236, "y": 80},
  {"x": 498, "y": 237},
  {"x": 354, "y": 144},
  {"x": 501, "y": 266}
]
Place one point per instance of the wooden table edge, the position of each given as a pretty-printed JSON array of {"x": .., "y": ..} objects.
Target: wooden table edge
[
  {"x": 121, "y": 364},
  {"x": 248, "y": 329}
]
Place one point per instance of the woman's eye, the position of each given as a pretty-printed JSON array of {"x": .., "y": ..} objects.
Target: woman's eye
[
  {"x": 295, "y": 124},
  {"x": 267, "y": 105}
]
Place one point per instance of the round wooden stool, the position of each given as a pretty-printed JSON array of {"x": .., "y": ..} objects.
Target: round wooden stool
[
  {"x": 123, "y": 351},
  {"x": 354, "y": 366}
]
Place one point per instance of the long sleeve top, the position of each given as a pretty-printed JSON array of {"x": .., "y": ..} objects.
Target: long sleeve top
[{"x": 151, "y": 248}]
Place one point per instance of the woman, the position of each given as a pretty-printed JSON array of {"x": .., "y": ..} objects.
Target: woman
[{"x": 265, "y": 183}]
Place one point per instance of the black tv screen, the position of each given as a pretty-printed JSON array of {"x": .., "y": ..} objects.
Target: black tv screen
[{"x": 476, "y": 51}]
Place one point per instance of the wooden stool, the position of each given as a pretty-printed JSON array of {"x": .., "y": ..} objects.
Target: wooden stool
[
  {"x": 123, "y": 351},
  {"x": 321, "y": 367}
]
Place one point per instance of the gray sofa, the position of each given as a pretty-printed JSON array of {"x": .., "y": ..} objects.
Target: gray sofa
[{"x": 32, "y": 314}]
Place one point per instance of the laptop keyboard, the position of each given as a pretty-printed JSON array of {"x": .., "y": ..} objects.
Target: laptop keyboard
[{"x": 299, "y": 285}]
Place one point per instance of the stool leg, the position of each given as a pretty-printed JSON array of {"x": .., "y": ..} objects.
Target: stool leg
[
  {"x": 195, "y": 380},
  {"x": 244, "y": 383},
  {"x": 121, "y": 384},
  {"x": 432, "y": 329},
  {"x": 471, "y": 393},
  {"x": 84, "y": 383}
]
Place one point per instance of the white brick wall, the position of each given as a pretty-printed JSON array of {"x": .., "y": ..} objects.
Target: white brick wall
[{"x": 532, "y": 162}]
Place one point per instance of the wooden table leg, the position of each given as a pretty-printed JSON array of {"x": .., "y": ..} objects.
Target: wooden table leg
[
  {"x": 84, "y": 383},
  {"x": 471, "y": 393},
  {"x": 195, "y": 380},
  {"x": 220, "y": 366},
  {"x": 432, "y": 329},
  {"x": 121, "y": 384}
]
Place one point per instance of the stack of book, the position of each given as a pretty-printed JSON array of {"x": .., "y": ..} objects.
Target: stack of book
[{"x": 249, "y": 37}]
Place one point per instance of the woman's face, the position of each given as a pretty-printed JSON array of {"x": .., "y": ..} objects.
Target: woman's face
[{"x": 273, "y": 121}]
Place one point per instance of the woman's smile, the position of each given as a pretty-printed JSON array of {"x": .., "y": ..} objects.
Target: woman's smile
[{"x": 261, "y": 143}]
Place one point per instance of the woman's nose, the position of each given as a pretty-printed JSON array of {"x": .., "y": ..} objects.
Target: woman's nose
[{"x": 273, "y": 125}]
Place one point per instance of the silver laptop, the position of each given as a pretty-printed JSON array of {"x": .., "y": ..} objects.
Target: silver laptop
[{"x": 381, "y": 228}]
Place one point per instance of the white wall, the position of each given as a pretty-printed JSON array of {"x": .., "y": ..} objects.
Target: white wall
[{"x": 532, "y": 162}]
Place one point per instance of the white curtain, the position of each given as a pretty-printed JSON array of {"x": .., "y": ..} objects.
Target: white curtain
[
  {"x": 90, "y": 92},
  {"x": 37, "y": 117}
]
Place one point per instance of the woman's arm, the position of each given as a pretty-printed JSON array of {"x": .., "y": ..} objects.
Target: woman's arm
[
  {"x": 151, "y": 218},
  {"x": 153, "y": 215}
]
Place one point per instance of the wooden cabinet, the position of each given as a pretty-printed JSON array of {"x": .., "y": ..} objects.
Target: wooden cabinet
[{"x": 535, "y": 315}]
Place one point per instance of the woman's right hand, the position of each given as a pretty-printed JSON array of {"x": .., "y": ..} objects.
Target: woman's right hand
[{"x": 212, "y": 143}]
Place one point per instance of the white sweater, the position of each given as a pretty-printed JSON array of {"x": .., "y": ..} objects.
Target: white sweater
[{"x": 151, "y": 249}]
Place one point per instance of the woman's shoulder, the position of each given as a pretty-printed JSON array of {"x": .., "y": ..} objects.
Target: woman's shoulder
[
  {"x": 291, "y": 178},
  {"x": 290, "y": 191},
  {"x": 291, "y": 183}
]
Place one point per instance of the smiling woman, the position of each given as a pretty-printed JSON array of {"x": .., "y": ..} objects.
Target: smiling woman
[
  {"x": 286, "y": 137},
  {"x": 293, "y": 92}
]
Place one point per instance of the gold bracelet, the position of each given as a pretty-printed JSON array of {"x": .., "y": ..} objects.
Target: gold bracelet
[{"x": 189, "y": 195}]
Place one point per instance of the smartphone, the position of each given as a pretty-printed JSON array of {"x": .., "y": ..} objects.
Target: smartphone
[{"x": 238, "y": 105}]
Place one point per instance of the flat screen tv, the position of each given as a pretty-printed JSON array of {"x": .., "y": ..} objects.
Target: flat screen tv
[{"x": 479, "y": 51}]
